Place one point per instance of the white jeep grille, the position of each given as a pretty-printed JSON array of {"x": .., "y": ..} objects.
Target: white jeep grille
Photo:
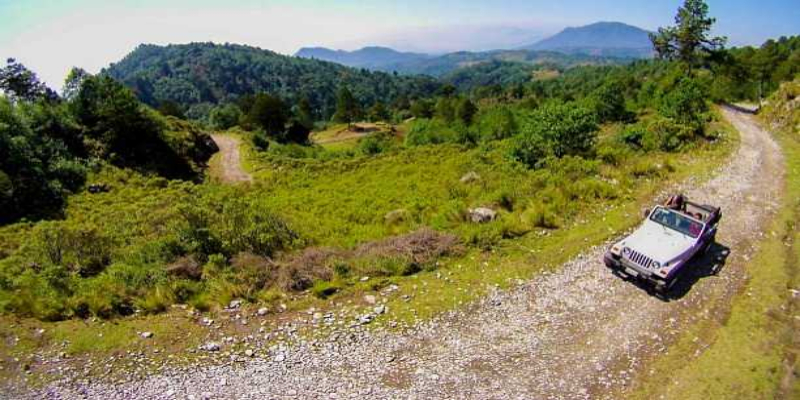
[{"x": 639, "y": 259}]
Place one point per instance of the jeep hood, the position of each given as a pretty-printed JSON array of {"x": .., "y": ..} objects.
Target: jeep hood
[{"x": 658, "y": 242}]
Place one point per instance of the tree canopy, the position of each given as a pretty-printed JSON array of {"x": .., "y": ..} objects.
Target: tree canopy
[{"x": 689, "y": 40}]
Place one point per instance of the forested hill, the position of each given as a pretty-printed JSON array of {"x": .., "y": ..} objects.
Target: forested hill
[{"x": 199, "y": 75}]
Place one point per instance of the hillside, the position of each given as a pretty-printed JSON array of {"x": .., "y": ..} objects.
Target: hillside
[
  {"x": 375, "y": 58},
  {"x": 602, "y": 39},
  {"x": 200, "y": 75}
]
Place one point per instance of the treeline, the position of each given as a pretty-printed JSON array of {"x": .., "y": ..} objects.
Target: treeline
[
  {"x": 48, "y": 142},
  {"x": 202, "y": 76},
  {"x": 753, "y": 73}
]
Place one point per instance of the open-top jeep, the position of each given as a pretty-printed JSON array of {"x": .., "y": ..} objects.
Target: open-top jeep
[{"x": 660, "y": 249}]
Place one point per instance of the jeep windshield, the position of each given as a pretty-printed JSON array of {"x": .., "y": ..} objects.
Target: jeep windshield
[{"x": 676, "y": 221}]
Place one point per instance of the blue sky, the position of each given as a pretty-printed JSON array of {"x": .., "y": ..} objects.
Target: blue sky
[{"x": 50, "y": 36}]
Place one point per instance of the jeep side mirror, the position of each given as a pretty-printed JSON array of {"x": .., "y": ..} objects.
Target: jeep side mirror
[{"x": 646, "y": 212}]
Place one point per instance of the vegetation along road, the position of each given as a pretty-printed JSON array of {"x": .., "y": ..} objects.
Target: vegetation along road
[
  {"x": 579, "y": 332},
  {"x": 230, "y": 163}
]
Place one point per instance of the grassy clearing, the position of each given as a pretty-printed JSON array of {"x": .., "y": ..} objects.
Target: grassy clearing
[
  {"x": 754, "y": 354},
  {"x": 344, "y": 204}
]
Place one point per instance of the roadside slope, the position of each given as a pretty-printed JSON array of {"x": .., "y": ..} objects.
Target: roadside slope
[
  {"x": 579, "y": 332},
  {"x": 228, "y": 165}
]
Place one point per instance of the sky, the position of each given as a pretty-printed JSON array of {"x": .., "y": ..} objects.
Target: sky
[{"x": 51, "y": 36}]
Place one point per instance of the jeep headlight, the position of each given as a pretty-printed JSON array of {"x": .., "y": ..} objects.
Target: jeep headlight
[
  {"x": 626, "y": 251},
  {"x": 655, "y": 265}
]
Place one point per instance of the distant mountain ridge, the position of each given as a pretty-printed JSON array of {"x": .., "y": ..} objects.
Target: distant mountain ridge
[
  {"x": 441, "y": 65},
  {"x": 602, "y": 39},
  {"x": 371, "y": 57}
]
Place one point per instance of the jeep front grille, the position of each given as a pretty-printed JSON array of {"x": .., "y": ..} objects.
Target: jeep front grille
[{"x": 639, "y": 259}]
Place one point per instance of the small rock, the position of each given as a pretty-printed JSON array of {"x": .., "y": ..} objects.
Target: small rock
[
  {"x": 380, "y": 309},
  {"x": 370, "y": 299},
  {"x": 482, "y": 215},
  {"x": 280, "y": 357},
  {"x": 147, "y": 335},
  {"x": 211, "y": 346},
  {"x": 364, "y": 278},
  {"x": 249, "y": 353},
  {"x": 235, "y": 304},
  {"x": 262, "y": 311},
  {"x": 470, "y": 177}
]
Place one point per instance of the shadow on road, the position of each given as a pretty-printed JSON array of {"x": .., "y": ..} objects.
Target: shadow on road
[{"x": 709, "y": 264}]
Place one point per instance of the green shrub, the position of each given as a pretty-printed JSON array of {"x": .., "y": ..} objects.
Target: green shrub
[
  {"x": 554, "y": 130},
  {"x": 686, "y": 104},
  {"x": 427, "y": 131},
  {"x": 660, "y": 133},
  {"x": 260, "y": 140},
  {"x": 325, "y": 289},
  {"x": 496, "y": 123},
  {"x": 84, "y": 250},
  {"x": 376, "y": 143}
]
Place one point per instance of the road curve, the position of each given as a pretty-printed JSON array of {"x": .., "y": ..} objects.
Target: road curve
[
  {"x": 576, "y": 333},
  {"x": 230, "y": 164}
]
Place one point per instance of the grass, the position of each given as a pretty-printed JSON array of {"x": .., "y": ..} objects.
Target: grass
[
  {"x": 342, "y": 204},
  {"x": 754, "y": 353}
]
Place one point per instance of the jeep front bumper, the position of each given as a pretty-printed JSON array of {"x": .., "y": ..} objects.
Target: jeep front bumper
[{"x": 631, "y": 271}]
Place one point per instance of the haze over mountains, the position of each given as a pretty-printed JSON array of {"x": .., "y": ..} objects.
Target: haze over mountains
[{"x": 603, "y": 39}]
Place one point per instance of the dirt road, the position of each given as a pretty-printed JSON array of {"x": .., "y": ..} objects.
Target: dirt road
[
  {"x": 230, "y": 164},
  {"x": 579, "y": 332}
]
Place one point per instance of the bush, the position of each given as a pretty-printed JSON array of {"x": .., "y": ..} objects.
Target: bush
[
  {"x": 427, "y": 131},
  {"x": 660, "y": 133},
  {"x": 686, "y": 104},
  {"x": 554, "y": 130},
  {"x": 496, "y": 123},
  {"x": 260, "y": 140},
  {"x": 376, "y": 143}
]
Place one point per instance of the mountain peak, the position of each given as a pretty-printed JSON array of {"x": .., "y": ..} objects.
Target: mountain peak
[{"x": 605, "y": 38}]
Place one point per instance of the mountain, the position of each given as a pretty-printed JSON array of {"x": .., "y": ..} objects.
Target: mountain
[
  {"x": 198, "y": 76},
  {"x": 389, "y": 60},
  {"x": 613, "y": 39},
  {"x": 375, "y": 58}
]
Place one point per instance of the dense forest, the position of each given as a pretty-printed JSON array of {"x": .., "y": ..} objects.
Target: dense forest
[{"x": 199, "y": 76}]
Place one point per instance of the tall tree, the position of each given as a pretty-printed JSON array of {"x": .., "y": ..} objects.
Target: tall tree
[
  {"x": 20, "y": 83},
  {"x": 689, "y": 40},
  {"x": 347, "y": 108},
  {"x": 270, "y": 114},
  {"x": 465, "y": 111},
  {"x": 305, "y": 113}
]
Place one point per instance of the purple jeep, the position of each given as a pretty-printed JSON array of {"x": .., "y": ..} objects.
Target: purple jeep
[{"x": 660, "y": 249}]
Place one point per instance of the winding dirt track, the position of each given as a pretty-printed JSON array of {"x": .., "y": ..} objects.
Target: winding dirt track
[
  {"x": 230, "y": 164},
  {"x": 577, "y": 333}
]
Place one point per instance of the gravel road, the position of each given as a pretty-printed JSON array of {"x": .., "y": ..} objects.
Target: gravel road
[
  {"x": 576, "y": 333},
  {"x": 231, "y": 163}
]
